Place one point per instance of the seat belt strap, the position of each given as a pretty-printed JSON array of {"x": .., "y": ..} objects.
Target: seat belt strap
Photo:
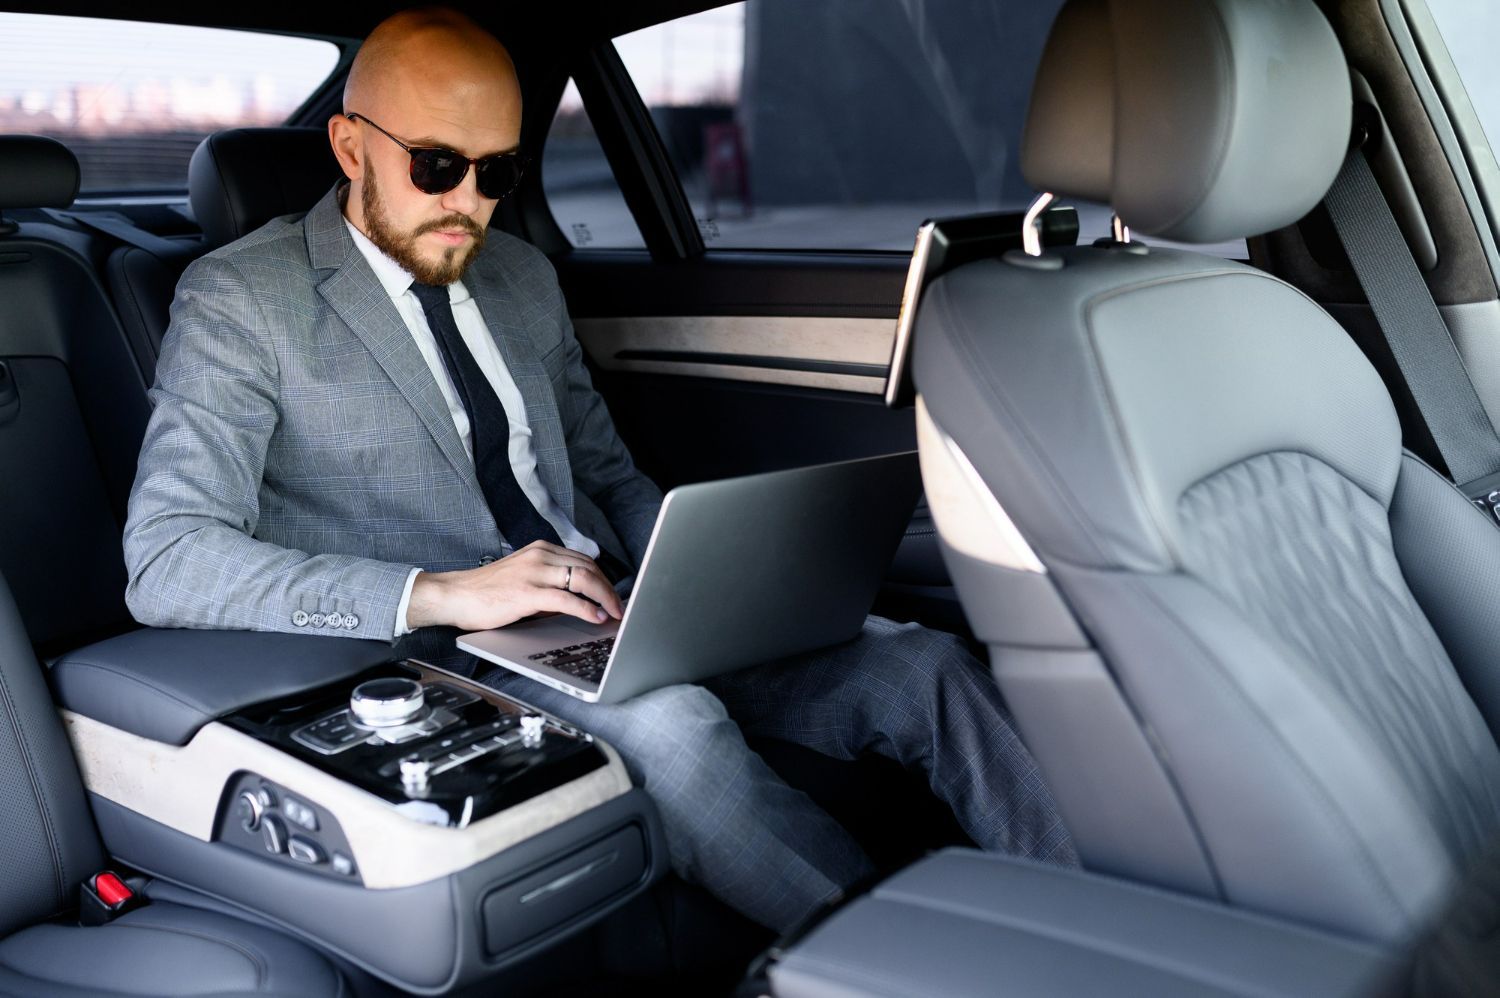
[
  {"x": 1409, "y": 319},
  {"x": 121, "y": 228}
]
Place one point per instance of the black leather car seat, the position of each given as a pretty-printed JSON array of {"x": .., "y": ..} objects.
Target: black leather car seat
[
  {"x": 238, "y": 180},
  {"x": 48, "y": 845},
  {"x": 1251, "y": 642},
  {"x": 241, "y": 178},
  {"x": 73, "y": 411}
]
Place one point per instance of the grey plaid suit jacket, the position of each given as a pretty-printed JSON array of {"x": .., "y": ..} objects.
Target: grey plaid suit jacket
[{"x": 300, "y": 459}]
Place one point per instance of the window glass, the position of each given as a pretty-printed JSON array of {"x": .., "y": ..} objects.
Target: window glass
[
  {"x": 133, "y": 100},
  {"x": 580, "y": 187},
  {"x": 841, "y": 125},
  {"x": 1470, "y": 29}
]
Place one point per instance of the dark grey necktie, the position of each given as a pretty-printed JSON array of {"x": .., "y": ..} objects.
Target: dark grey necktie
[{"x": 489, "y": 428}]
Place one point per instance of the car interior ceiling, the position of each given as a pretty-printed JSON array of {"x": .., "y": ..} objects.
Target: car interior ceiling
[{"x": 83, "y": 323}]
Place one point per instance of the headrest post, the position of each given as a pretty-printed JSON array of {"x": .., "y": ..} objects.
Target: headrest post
[
  {"x": 1031, "y": 226},
  {"x": 1120, "y": 230}
]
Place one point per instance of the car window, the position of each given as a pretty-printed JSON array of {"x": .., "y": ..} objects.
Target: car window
[
  {"x": 580, "y": 187},
  {"x": 133, "y": 100},
  {"x": 842, "y": 126},
  {"x": 1470, "y": 29}
]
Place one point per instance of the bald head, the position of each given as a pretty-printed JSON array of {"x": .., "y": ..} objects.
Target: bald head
[
  {"x": 430, "y": 79},
  {"x": 435, "y": 54}
]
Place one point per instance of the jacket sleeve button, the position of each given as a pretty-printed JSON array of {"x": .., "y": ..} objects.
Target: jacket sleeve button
[
  {"x": 350, "y": 621},
  {"x": 300, "y": 618},
  {"x": 317, "y": 620},
  {"x": 335, "y": 620}
]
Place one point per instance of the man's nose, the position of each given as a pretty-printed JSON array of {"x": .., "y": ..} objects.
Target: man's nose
[{"x": 464, "y": 199}]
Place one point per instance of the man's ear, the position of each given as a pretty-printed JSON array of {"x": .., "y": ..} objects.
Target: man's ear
[{"x": 347, "y": 149}]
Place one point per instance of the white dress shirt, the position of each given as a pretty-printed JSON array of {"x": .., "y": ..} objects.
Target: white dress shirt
[{"x": 397, "y": 282}]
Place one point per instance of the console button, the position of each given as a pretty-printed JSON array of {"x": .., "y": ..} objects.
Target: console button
[
  {"x": 305, "y": 851},
  {"x": 343, "y": 865},
  {"x": 299, "y": 813},
  {"x": 443, "y": 695},
  {"x": 386, "y": 703},
  {"x": 266, "y": 797},
  {"x": 248, "y": 808},
  {"x": 273, "y": 834}
]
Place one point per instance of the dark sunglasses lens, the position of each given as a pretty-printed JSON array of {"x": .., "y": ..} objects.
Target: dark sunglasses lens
[
  {"x": 499, "y": 175},
  {"x": 437, "y": 171}
]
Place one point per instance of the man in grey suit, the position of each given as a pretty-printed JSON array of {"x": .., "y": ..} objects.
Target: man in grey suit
[{"x": 375, "y": 420}]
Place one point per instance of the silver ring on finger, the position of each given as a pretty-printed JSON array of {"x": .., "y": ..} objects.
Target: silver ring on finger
[{"x": 568, "y": 582}]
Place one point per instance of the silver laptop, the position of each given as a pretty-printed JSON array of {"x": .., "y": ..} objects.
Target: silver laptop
[{"x": 738, "y": 572}]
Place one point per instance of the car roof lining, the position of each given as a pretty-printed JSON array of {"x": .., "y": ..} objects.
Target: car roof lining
[{"x": 519, "y": 23}]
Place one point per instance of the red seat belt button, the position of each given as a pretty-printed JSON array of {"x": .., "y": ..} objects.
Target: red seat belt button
[{"x": 112, "y": 890}]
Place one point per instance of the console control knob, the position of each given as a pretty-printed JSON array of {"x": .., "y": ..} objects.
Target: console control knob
[
  {"x": 414, "y": 773},
  {"x": 532, "y": 728},
  {"x": 386, "y": 703},
  {"x": 249, "y": 810},
  {"x": 273, "y": 834}
]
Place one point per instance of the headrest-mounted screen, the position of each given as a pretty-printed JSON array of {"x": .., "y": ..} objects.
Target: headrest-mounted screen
[{"x": 946, "y": 243}]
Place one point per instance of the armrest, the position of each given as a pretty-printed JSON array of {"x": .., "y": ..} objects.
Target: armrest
[
  {"x": 166, "y": 684},
  {"x": 962, "y": 922}
]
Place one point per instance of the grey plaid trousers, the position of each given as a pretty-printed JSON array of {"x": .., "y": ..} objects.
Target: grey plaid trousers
[{"x": 732, "y": 825}]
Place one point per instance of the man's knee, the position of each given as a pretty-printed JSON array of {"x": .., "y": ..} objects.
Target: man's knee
[
  {"x": 679, "y": 734},
  {"x": 910, "y": 655}
]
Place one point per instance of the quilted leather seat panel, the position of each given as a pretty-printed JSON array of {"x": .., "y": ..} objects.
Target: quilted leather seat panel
[{"x": 1307, "y": 557}]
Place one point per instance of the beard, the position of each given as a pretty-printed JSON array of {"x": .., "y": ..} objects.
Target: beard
[{"x": 402, "y": 246}]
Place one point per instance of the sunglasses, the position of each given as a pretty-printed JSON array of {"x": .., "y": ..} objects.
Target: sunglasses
[{"x": 435, "y": 170}]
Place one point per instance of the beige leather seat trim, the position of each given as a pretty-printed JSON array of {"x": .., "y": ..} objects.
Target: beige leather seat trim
[
  {"x": 181, "y": 787},
  {"x": 968, "y": 516}
]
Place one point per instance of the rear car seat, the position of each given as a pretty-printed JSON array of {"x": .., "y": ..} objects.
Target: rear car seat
[
  {"x": 48, "y": 846},
  {"x": 73, "y": 409},
  {"x": 241, "y": 178},
  {"x": 292, "y": 168},
  {"x": 72, "y": 412}
]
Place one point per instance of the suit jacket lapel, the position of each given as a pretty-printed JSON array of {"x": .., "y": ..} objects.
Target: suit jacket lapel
[
  {"x": 354, "y": 293},
  {"x": 547, "y": 437}
]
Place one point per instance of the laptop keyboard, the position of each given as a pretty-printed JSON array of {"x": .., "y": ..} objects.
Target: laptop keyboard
[{"x": 586, "y": 661}]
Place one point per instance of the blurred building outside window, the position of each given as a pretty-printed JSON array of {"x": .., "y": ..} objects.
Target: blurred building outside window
[{"x": 132, "y": 100}]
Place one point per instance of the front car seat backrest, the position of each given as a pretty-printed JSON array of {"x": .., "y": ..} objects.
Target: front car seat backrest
[
  {"x": 240, "y": 179},
  {"x": 1192, "y": 482}
]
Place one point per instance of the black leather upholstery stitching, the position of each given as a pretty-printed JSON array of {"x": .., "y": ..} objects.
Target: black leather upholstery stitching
[
  {"x": 53, "y": 846},
  {"x": 255, "y": 959}
]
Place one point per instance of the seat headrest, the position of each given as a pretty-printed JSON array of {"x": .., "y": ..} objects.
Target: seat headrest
[
  {"x": 36, "y": 172},
  {"x": 242, "y": 178},
  {"x": 1197, "y": 120}
]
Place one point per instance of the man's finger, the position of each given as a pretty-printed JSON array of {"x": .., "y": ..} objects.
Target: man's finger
[
  {"x": 589, "y": 581},
  {"x": 562, "y": 601}
]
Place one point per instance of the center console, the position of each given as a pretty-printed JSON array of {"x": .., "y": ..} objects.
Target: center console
[{"x": 421, "y": 825}]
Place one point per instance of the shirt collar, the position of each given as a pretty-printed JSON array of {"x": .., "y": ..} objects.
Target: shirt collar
[{"x": 394, "y": 278}]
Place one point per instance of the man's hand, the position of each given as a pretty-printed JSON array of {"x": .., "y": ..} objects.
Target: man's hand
[{"x": 539, "y": 578}]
